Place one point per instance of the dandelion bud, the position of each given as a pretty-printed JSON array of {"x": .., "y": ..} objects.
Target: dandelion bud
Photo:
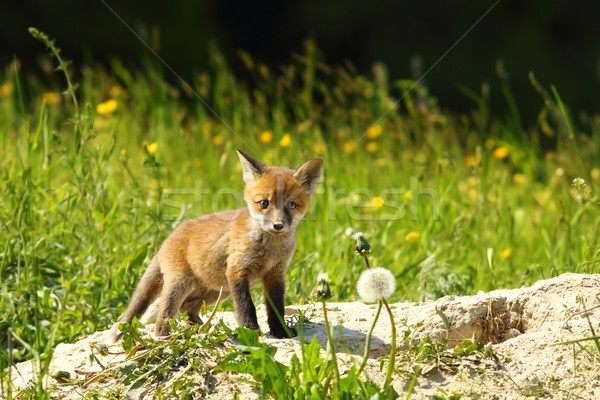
[
  {"x": 376, "y": 284},
  {"x": 362, "y": 247},
  {"x": 323, "y": 291}
]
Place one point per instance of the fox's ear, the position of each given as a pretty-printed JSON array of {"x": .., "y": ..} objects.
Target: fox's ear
[
  {"x": 251, "y": 168},
  {"x": 308, "y": 174}
]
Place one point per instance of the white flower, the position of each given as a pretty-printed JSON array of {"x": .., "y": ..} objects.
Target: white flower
[
  {"x": 376, "y": 284},
  {"x": 323, "y": 277},
  {"x": 579, "y": 182}
]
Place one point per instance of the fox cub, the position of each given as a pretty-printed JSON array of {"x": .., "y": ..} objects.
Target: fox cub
[{"x": 231, "y": 249}]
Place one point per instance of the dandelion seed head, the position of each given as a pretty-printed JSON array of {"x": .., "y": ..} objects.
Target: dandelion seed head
[{"x": 376, "y": 284}]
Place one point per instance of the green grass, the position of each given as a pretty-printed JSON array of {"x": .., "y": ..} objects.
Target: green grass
[{"x": 86, "y": 201}]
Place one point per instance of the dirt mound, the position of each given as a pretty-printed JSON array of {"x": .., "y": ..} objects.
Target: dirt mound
[{"x": 506, "y": 344}]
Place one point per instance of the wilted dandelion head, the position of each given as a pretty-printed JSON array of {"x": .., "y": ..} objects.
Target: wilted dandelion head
[
  {"x": 362, "y": 247},
  {"x": 376, "y": 284},
  {"x": 323, "y": 292}
]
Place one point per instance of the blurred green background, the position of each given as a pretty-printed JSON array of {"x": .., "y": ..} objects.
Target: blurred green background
[{"x": 558, "y": 40}]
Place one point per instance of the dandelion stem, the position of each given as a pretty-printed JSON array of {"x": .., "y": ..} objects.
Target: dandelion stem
[
  {"x": 392, "y": 359},
  {"x": 331, "y": 346},
  {"x": 368, "y": 339},
  {"x": 367, "y": 261}
]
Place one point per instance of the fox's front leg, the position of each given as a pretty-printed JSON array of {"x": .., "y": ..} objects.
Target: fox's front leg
[
  {"x": 239, "y": 286},
  {"x": 274, "y": 283}
]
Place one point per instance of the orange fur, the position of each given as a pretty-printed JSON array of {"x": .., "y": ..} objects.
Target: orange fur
[{"x": 232, "y": 249}]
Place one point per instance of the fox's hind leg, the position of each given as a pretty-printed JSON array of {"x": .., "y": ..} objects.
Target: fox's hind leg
[
  {"x": 145, "y": 293},
  {"x": 176, "y": 288}
]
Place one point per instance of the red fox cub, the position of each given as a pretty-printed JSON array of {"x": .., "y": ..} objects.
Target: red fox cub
[{"x": 231, "y": 249}]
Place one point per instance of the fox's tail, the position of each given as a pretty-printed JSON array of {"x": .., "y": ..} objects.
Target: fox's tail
[{"x": 145, "y": 293}]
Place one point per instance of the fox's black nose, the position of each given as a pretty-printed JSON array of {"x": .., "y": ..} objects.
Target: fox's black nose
[{"x": 278, "y": 225}]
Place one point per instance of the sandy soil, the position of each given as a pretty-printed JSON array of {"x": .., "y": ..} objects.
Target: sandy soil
[{"x": 525, "y": 357}]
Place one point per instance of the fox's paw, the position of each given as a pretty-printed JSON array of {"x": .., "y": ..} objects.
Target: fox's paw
[{"x": 284, "y": 333}]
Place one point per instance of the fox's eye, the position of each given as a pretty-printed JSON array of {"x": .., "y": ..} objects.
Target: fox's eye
[
  {"x": 292, "y": 205},
  {"x": 263, "y": 204}
]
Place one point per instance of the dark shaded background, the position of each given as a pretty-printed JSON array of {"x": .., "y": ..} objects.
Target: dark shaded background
[{"x": 558, "y": 40}]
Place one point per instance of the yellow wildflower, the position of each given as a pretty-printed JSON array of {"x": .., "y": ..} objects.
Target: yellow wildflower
[
  {"x": 207, "y": 127},
  {"x": 319, "y": 148},
  {"x": 349, "y": 146},
  {"x": 500, "y": 153},
  {"x": 489, "y": 144},
  {"x": 107, "y": 107},
  {"x": 407, "y": 195},
  {"x": 115, "y": 90},
  {"x": 378, "y": 202},
  {"x": 520, "y": 179},
  {"x": 374, "y": 132},
  {"x": 51, "y": 98},
  {"x": 152, "y": 147},
  {"x": 471, "y": 160},
  {"x": 372, "y": 147},
  {"x": 266, "y": 137},
  {"x": 218, "y": 140},
  {"x": 506, "y": 253},
  {"x": 412, "y": 237},
  {"x": 472, "y": 194},
  {"x": 285, "y": 140},
  {"x": 6, "y": 89},
  {"x": 472, "y": 181}
]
